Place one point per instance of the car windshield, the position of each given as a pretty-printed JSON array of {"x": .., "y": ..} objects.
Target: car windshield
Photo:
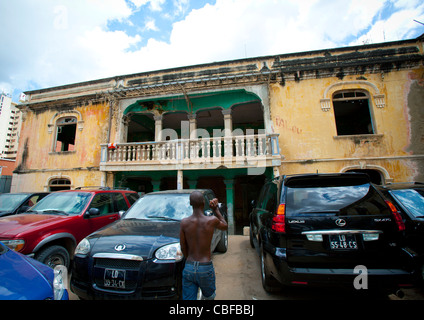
[
  {"x": 412, "y": 200},
  {"x": 165, "y": 206},
  {"x": 9, "y": 201},
  {"x": 344, "y": 200},
  {"x": 62, "y": 203}
]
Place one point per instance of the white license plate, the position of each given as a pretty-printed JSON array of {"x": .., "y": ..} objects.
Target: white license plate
[
  {"x": 114, "y": 278},
  {"x": 343, "y": 242}
]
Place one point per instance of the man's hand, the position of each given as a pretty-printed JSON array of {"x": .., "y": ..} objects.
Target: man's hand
[{"x": 213, "y": 204}]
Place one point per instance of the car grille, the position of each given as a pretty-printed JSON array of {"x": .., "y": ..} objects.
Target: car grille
[
  {"x": 117, "y": 264},
  {"x": 132, "y": 268}
]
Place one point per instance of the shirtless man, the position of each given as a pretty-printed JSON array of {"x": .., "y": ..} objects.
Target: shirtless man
[{"x": 196, "y": 234}]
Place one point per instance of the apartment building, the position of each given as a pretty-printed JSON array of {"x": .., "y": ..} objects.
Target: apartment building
[{"x": 10, "y": 124}]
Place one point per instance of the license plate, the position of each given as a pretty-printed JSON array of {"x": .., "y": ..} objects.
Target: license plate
[
  {"x": 114, "y": 278},
  {"x": 343, "y": 242}
]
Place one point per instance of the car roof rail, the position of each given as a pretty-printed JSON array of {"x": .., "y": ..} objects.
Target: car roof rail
[{"x": 93, "y": 187}]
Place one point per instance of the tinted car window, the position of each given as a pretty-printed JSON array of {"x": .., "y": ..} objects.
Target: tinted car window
[
  {"x": 120, "y": 202},
  {"x": 270, "y": 199},
  {"x": 132, "y": 198},
  {"x": 345, "y": 200},
  {"x": 9, "y": 202},
  {"x": 413, "y": 200},
  {"x": 172, "y": 206},
  {"x": 103, "y": 202}
]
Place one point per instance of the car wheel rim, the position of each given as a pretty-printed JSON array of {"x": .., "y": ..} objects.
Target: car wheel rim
[{"x": 54, "y": 261}]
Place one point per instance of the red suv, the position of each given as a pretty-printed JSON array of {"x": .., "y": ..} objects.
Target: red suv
[{"x": 52, "y": 228}]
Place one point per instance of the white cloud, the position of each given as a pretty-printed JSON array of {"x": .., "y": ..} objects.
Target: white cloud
[{"x": 151, "y": 25}]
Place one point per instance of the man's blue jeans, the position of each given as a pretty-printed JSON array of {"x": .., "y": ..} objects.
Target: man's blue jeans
[{"x": 198, "y": 275}]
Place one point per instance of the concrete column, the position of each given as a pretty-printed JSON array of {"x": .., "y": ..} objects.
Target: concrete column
[
  {"x": 228, "y": 135},
  {"x": 228, "y": 123},
  {"x": 180, "y": 182},
  {"x": 158, "y": 127},
  {"x": 230, "y": 204},
  {"x": 192, "y": 125}
]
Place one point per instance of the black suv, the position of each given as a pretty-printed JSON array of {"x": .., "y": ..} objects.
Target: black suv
[
  {"x": 326, "y": 229},
  {"x": 408, "y": 197}
]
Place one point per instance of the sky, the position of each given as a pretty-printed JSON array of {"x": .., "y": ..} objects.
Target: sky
[{"x": 48, "y": 43}]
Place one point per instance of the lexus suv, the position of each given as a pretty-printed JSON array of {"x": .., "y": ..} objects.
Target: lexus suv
[{"x": 325, "y": 230}]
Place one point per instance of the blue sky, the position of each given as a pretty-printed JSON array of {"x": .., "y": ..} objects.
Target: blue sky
[{"x": 48, "y": 43}]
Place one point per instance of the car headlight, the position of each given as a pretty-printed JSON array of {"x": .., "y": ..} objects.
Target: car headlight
[
  {"x": 83, "y": 248},
  {"x": 170, "y": 252},
  {"x": 16, "y": 245},
  {"x": 59, "y": 282}
]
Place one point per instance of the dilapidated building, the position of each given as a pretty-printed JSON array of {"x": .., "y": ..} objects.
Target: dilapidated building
[{"x": 230, "y": 125}]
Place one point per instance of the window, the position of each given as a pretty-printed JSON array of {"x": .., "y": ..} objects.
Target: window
[
  {"x": 104, "y": 203},
  {"x": 120, "y": 202},
  {"x": 59, "y": 184},
  {"x": 352, "y": 113},
  {"x": 65, "y": 134}
]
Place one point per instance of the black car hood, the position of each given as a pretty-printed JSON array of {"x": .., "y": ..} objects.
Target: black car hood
[{"x": 140, "y": 237}]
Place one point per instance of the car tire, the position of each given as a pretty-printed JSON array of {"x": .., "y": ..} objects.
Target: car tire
[
  {"x": 53, "y": 256},
  {"x": 252, "y": 244},
  {"x": 222, "y": 245},
  {"x": 269, "y": 283}
]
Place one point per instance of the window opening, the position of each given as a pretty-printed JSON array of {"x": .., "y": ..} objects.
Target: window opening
[
  {"x": 65, "y": 134},
  {"x": 59, "y": 184},
  {"x": 352, "y": 113}
]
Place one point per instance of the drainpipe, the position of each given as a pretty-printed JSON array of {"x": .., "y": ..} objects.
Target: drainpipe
[{"x": 103, "y": 183}]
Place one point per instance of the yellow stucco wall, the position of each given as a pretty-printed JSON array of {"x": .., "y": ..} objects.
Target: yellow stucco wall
[
  {"x": 38, "y": 161},
  {"x": 308, "y": 135}
]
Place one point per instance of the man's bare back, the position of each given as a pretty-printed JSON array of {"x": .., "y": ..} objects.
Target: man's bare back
[{"x": 197, "y": 230}]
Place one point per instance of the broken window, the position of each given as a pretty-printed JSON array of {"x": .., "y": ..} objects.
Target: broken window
[
  {"x": 352, "y": 113},
  {"x": 65, "y": 134}
]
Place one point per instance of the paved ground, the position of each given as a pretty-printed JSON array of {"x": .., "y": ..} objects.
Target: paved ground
[{"x": 238, "y": 278}]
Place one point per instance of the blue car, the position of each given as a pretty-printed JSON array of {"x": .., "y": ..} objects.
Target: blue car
[{"x": 23, "y": 278}]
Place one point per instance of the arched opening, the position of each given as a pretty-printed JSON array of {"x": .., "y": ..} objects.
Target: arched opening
[
  {"x": 352, "y": 112},
  {"x": 248, "y": 116},
  {"x": 173, "y": 121},
  {"x": 141, "y": 127},
  {"x": 58, "y": 184}
]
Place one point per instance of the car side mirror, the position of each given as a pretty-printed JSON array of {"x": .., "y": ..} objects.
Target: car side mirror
[
  {"x": 121, "y": 213},
  {"x": 93, "y": 212},
  {"x": 23, "y": 209}
]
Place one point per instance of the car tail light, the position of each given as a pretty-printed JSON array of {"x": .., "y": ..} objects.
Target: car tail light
[
  {"x": 396, "y": 215},
  {"x": 279, "y": 219}
]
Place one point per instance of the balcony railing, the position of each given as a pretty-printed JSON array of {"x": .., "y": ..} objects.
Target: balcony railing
[{"x": 237, "y": 150}]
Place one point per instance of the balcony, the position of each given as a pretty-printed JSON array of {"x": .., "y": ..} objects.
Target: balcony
[{"x": 248, "y": 151}]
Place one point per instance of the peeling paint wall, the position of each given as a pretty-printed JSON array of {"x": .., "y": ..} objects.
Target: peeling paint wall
[
  {"x": 37, "y": 160},
  {"x": 308, "y": 135}
]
